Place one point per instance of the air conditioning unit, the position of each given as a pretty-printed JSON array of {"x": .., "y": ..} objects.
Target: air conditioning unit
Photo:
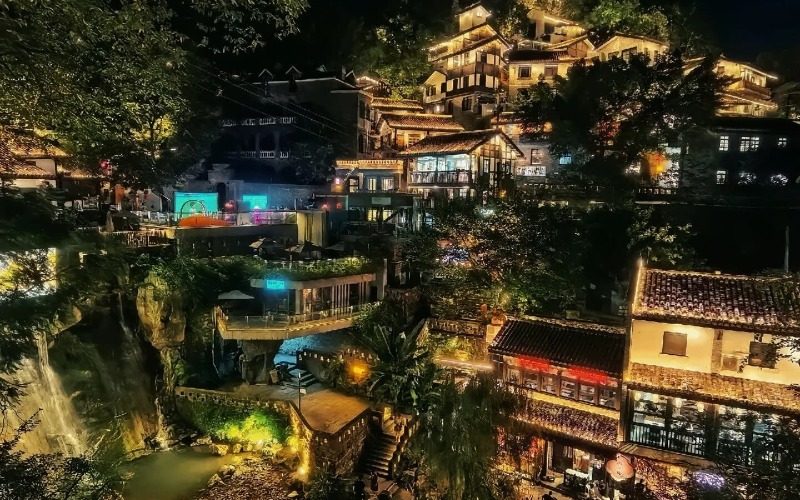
[{"x": 732, "y": 362}]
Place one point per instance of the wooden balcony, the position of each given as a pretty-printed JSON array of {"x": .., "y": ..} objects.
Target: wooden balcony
[
  {"x": 282, "y": 326},
  {"x": 672, "y": 440}
]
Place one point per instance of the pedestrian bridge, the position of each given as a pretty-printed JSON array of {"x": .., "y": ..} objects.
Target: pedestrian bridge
[{"x": 281, "y": 326}]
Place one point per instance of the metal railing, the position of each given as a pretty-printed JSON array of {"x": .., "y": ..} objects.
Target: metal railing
[
  {"x": 230, "y": 218},
  {"x": 278, "y": 321},
  {"x": 668, "y": 439}
]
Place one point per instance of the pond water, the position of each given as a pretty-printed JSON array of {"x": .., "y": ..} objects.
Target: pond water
[{"x": 173, "y": 474}]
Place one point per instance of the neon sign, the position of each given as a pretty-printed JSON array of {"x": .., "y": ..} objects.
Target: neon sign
[{"x": 276, "y": 285}]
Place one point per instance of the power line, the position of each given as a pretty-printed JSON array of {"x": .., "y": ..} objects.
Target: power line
[
  {"x": 277, "y": 103},
  {"x": 247, "y": 106}
]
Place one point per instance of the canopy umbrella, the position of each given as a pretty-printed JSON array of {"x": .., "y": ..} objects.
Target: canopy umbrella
[
  {"x": 201, "y": 221},
  {"x": 234, "y": 295},
  {"x": 306, "y": 249},
  {"x": 264, "y": 242}
]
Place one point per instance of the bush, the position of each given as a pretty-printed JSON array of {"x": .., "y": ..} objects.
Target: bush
[{"x": 236, "y": 423}]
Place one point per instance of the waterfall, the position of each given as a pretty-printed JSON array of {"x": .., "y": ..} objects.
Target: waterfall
[
  {"x": 59, "y": 428},
  {"x": 161, "y": 436}
]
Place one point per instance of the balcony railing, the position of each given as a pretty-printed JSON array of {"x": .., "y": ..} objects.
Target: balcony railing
[
  {"x": 280, "y": 326},
  {"x": 674, "y": 440},
  {"x": 435, "y": 178},
  {"x": 229, "y": 219},
  {"x": 146, "y": 238}
]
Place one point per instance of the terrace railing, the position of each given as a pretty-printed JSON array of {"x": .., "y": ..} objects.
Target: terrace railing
[
  {"x": 231, "y": 219},
  {"x": 434, "y": 178},
  {"x": 668, "y": 439},
  {"x": 278, "y": 326}
]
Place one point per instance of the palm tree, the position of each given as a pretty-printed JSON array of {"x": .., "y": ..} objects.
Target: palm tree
[{"x": 404, "y": 374}]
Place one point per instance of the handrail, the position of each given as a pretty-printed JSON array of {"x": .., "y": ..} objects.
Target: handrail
[{"x": 283, "y": 320}]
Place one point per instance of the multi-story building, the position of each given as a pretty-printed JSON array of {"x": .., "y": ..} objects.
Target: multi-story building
[
  {"x": 756, "y": 151},
  {"x": 268, "y": 122},
  {"x": 571, "y": 375},
  {"x": 462, "y": 164},
  {"x": 747, "y": 94},
  {"x": 706, "y": 372},
  {"x": 469, "y": 68}
]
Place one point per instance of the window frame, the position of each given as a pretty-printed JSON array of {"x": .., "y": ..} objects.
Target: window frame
[
  {"x": 683, "y": 336},
  {"x": 524, "y": 69}
]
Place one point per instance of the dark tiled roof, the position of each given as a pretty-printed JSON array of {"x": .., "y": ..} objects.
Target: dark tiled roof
[
  {"x": 562, "y": 342},
  {"x": 422, "y": 121},
  {"x": 736, "y": 391},
  {"x": 750, "y": 303},
  {"x": 518, "y": 55},
  {"x": 459, "y": 142},
  {"x": 384, "y": 103},
  {"x": 11, "y": 166},
  {"x": 26, "y": 144}
]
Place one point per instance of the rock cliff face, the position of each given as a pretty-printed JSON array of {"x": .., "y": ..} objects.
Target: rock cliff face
[{"x": 161, "y": 314}]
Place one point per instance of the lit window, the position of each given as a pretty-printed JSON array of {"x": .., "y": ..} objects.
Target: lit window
[
  {"x": 782, "y": 141},
  {"x": 749, "y": 143},
  {"x": 524, "y": 72},
  {"x": 536, "y": 156},
  {"x": 674, "y": 344},
  {"x": 722, "y": 176},
  {"x": 269, "y": 154},
  {"x": 284, "y": 154},
  {"x": 249, "y": 121},
  {"x": 724, "y": 142},
  {"x": 565, "y": 160},
  {"x": 746, "y": 178},
  {"x": 287, "y": 119},
  {"x": 387, "y": 183},
  {"x": 372, "y": 184},
  {"x": 779, "y": 180}
]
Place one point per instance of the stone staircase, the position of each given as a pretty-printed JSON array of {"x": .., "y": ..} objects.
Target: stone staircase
[
  {"x": 299, "y": 378},
  {"x": 379, "y": 450}
]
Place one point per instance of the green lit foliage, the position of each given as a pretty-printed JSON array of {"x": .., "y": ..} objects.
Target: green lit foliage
[
  {"x": 238, "y": 424},
  {"x": 458, "y": 441},
  {"x": 318, "y": 269},
  {"x": 607, "y": 115}
]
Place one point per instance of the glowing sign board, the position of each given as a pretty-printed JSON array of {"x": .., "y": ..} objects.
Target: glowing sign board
[
  {"x": 254, "y": 202},
  {"x": 276, "y": 284}
]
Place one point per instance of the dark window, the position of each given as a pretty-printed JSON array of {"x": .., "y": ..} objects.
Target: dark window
[
  {"x": 524, "y": 72},
  {"x": 443, "y": 87},
  {"x": 762, "y": 354},
  {"x": 674, "y": 344},
  {"x": 550, "y": 71},
  {"x": 466, "y": 104},
  {"x": 483, "y": 80},
  {"x": 455, "y": 84},
  {"x": 464, "y": 82}
]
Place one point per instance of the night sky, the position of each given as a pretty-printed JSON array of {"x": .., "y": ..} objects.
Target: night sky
[{"x": 745, "y": 28}]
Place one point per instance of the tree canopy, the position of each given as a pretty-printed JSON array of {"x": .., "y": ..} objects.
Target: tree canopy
[{"x": 608, "y": 115}]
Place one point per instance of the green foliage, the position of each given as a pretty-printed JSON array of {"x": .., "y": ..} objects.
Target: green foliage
[
  {"x": 404, "y": 374},
  {"x": 460, "y": 435},
  {"x": 325, "y": 485},
  {"x": 530, "y": 254},
  {"x": 318, "y": 269},
  {"x": 118, "y": 80},
  {"x": 661, "y": 243},
  {"x": 608, "y": 115},
  {"x": 236, "y": 423}
]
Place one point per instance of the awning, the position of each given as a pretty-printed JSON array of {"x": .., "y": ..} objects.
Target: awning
[{"x": 234, "y": 295}]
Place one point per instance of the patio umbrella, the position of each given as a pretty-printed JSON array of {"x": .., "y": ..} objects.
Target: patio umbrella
[
  {"x": 201, "y": 221},
  {"x": 307, "y": 250},
  {"x": 263, "y": 242},
  {"x": 234, "y": 295}
]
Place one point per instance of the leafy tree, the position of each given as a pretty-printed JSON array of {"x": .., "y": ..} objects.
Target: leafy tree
[
  {"x": 404, "y": 374},
  {"x": 460, "y": 435},
  {"x": 117, "y": 80},
  {"x": 607, "y": 116},
  {"x": 773, "y": 472}
]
